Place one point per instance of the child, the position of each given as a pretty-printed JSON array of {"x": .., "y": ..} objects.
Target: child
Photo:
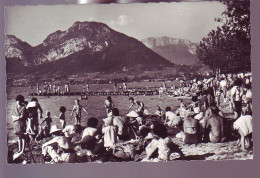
[
  {"x": 77, "y": 109},
  {"x": 48, "y": 121},
  {"x": 62, "y": 116},
  {"x": 29, "y": 123}
]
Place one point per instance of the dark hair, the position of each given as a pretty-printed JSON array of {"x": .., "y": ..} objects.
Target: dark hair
[
  {"x": 160, "y": 130},
  {"x": 115, "y": 112},
  {"x": 214, "y": 110},
  {"x": 109, "y": 98},
  {"x": 168, "y": 108},
  {"x": 48, "y": 113},
  {"x": 34, "y": 99},
  {"x": 78, "y": 128},
  {"x": 248, "y": 112},
  {"x": 194, "y": 98},
  {"x": 62, "y": 109},
  {"x": 212, "y": 104},
  {"x": 92, "y": 122},
  {"x": 140, "y": 113},
  {"x": 131, "y": 98},
  {"x": 238, "y": 82},
  {"x": 20, "y": 98},
  {"x": 248, "y": 86},
  {"x": 144, "y": 132}
]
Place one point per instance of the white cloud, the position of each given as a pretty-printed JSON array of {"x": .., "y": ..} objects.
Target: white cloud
[{"x": 122, "y": 20}]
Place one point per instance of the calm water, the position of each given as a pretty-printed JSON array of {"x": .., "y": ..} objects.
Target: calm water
[{"x": 94, "y": 104}]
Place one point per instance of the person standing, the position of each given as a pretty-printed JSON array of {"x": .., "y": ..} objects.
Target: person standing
[
  {"x": 87, "y": 87},
  {"x": 115, "y": 86},
  {"x": 33, "y": 106},
  {"x": 19, "y": 123},
  {"x": 236, "y": 97},
  {"x": 61, "y": 117},
  {"x": 124, "y": 86},
  {"x": 109, "y": 105},
  {"x": 77, "y": 109}
]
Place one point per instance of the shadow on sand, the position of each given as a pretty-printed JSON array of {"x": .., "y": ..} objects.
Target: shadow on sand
[{"x": 196, "y": 157}]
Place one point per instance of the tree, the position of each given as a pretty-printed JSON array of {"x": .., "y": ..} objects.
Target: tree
[{"x": 227, "y": 49}]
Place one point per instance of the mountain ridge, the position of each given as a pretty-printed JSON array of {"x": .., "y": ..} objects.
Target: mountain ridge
[
  {"x": 93, "y": 44},
  {"x": 178, "y": 51}
]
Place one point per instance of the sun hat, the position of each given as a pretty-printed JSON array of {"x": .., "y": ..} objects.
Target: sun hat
[
  {"x": 132, "y": 114},
  {"x": 54, "y": 129}
]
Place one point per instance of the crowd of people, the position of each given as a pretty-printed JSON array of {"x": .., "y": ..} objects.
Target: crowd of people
[{"x": 139, "y": 133}]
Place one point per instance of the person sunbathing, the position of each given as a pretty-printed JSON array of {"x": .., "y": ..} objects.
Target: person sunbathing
[
  {"x": 214, "y": 126},
  {"x": 190, "y": 133}
]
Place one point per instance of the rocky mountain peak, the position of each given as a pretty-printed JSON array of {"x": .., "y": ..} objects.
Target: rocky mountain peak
[
  {"x": 16, "y": 48},
  {"x": 178, "y": 51},
  {"x": 88, "y": 47}
]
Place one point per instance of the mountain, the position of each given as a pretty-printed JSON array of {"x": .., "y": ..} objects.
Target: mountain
[
  {"x": 17, "y": 54},
  {"x": 178, "y": 51},
  {"x": 84, "y": 47}
]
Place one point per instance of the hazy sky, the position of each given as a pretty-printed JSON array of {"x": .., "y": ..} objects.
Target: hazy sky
[{"x": 187, "y": 20}]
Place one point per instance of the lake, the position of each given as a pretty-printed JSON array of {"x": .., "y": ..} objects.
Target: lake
[{"x": 94, "y": 105}]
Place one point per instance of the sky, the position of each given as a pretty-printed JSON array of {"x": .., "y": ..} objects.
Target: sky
[{"x": 185, "y": 20}]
